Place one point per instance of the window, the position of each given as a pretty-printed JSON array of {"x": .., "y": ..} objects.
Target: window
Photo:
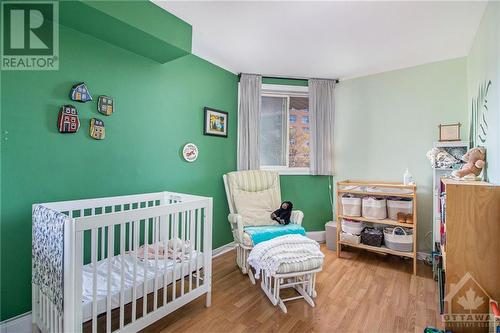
[{"x": 284, "y": 141}]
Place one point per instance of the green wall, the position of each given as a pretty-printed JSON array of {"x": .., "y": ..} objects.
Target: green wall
[
  {"x": 158, "y": 109},
  {"x": 311, "y": 195},
  {"x": 387, "y": 122},
  {"x": 483, "y": 65}
]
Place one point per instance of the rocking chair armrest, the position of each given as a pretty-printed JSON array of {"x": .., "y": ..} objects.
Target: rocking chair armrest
[
  {"x": 236, "y": 222},
  {"x": 297, "y": 216}
]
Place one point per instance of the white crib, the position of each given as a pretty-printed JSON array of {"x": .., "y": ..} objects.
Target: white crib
[{"x": 106, "y": 285}]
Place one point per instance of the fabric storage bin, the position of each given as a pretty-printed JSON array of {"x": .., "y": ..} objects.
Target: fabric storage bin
[
  {"x": 374, "y": 208},
  {"x": 372, "y": 236},
  {"x": 351, "y": 206},
  {"x": 398, "y": 205},
  {"x": 352, "y": 227},
  {"x": 349, "y": 238},
  {"x": 399, "y": 239}
]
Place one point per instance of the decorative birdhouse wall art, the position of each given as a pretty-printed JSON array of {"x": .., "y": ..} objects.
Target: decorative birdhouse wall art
[
  {"x": 80, "y": 93},
  {"x": 105, "y": 105},
  {"x": 67, "y": 120},
  {"x": 97, "y": 130}
]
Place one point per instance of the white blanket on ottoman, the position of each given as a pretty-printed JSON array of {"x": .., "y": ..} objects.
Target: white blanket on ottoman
[{"x": 269, "y": 255}]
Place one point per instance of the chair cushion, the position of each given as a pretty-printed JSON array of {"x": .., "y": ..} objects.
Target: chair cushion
[
  {"x": 254, "y": 181},
  {"x": 255, "y": 207},
  {"x": 302, "y": 266}
]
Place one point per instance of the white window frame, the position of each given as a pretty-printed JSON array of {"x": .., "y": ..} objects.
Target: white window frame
[{"x": 276, "y": 90}]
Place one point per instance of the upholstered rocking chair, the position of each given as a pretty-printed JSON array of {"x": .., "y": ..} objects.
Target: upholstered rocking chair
[{"x": 252, "y": 196}]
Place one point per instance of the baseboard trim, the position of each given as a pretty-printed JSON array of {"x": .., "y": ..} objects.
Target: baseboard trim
[
  {"x": 17, "y": 324},
  {"x": 223, "y": 249},
  {"x": 318, "y": 236}
]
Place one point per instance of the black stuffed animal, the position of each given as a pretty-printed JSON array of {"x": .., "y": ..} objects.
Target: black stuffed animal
[{"x": 283, "y": 214}]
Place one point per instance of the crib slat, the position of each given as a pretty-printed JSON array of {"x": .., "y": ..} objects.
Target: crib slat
[
  {"x": 122, "y": 273},
  {"x": 174, "y": 251},
  {"x": 145, "y": 281},
  {"x": 191, "y": 243},
  {"x": 110, "y": 255},
  {"x": 183, "y": 217},
  {"x": 155, "y": 281},
  {"x": 103, "y": 243},
  {"x": 134, "y": 286},
  {"x": 198, "y": 242},
  {"x": 129, "y": 236},
  {"x": 165, "y": 246},
  {"x": 93, "y": 255}
]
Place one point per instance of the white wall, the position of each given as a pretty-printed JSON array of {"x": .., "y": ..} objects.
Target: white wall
[
  {"x": 483, "y": 64},
  {"x": 387, "y": 122}
]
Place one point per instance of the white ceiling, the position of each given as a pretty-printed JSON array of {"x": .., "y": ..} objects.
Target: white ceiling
[{"x": 338, "y": 39}]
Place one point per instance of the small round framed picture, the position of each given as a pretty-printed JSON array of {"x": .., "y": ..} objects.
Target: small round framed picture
[
  {"x": 190, "y": 152},
  {"x": 216, "y": 122}
]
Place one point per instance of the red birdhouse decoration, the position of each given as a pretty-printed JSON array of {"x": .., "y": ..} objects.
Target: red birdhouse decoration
[{"x": 67, "y": 120}]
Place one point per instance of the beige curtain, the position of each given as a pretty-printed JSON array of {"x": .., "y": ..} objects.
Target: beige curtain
[
  {"x": 321, "y": 115},
  {"x": 249, "y": 122}
]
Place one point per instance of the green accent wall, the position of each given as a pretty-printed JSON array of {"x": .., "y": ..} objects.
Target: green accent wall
[
  {"x": 311, "y": 195},
  {"x": 138, "y": 26},
  {"x": 159, "y": 108},
  {"x": 286, "y": 82}
]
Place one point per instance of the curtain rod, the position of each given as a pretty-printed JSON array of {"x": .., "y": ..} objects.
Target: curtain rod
[{"x": 298, "y": 78}]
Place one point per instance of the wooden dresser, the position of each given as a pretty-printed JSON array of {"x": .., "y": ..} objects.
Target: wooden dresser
[{"x": 470, "y": 253}]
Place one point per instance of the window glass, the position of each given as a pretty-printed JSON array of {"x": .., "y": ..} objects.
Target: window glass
[
  {"x": 273, "y": 133},
  {"x": 298, "y": 152},
  {"x": 284, "y": 130}
]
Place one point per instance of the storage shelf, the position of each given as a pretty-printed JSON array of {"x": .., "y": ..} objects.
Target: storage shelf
[
  {"x": 381, "y": 249},
  {"x": 382, "y": 194},
  {"x": 375, "y": 184},
  {"x": 384, "y": 221},
  {"x": 387, "y": 190}
]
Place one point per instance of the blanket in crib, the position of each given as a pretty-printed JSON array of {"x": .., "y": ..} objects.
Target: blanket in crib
[
  {"x": 47, "y": 253},
  {"x": 264, "y": 233},
  {"x": 286, "y": 249}
]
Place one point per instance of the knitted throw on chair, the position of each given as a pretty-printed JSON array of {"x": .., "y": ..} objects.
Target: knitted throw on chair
[{"x": 286, "y": 249}]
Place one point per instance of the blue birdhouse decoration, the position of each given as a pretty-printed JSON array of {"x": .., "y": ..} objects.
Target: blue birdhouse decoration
[{"x": 80, "y": 93}]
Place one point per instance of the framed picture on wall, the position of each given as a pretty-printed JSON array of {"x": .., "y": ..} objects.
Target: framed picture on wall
[
  {"x": 449, "y": 132},
  {"x": 216, "y": 122}
]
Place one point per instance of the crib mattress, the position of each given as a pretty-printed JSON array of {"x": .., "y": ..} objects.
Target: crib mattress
[{"x": 128, "y": 260}]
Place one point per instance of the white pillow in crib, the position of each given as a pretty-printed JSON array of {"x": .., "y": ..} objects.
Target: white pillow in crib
[{"x": 255, "y": 207}]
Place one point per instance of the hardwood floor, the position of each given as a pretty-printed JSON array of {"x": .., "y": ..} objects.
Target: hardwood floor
[{"x": 360, "y": 292}]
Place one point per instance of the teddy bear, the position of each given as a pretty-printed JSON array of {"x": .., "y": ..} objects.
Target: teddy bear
[{"x": 475, "y": 159}]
